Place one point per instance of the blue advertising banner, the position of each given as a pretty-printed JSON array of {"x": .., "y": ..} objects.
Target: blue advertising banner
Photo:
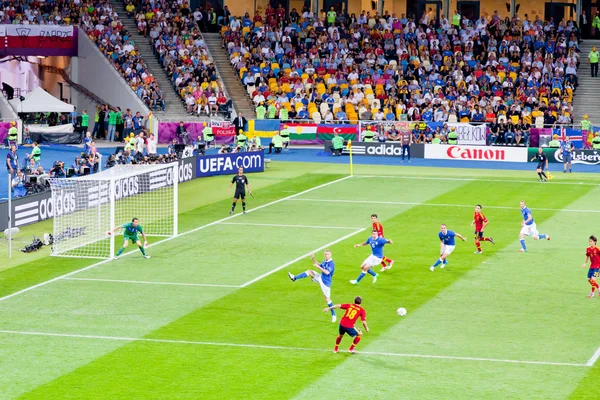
[{"x": 226, "y": 164}]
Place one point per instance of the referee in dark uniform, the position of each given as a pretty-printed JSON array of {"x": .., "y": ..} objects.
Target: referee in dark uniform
[
  {"x": 542, "y": 161},
  {"x": 241, "y": 183}
]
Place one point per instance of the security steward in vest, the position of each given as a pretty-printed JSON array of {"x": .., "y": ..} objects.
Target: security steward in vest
[{"x": 452, "y": 137}]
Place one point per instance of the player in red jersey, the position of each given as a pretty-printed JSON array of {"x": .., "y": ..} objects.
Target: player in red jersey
[
  {"x": 353, "y": 312},
  {"x": 592, "y": 254},
  {"x": 386, "y": 263},
  {"x": 480, "y": 222}
]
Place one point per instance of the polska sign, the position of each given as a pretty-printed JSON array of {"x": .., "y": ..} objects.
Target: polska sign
[{"x": 475, "y": 153}]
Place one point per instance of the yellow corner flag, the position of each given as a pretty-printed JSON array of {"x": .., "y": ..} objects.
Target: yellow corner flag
[
  {"x": 350, "y": 153},
  {"x": 549, "y": 175}
]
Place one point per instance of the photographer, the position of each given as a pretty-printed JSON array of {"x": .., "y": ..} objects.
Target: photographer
[
  {"x": 58, "y": 170},
  {"x": 18, "y": 186},
  {"x": 112, "y": 161}
]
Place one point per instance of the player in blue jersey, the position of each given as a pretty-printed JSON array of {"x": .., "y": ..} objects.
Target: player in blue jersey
[
  {"x": 447, "y": 245},
  {"x": 327, "y": 268},
  {"x": 528, "y": 228},
  {"x": 376, "y": 242}
]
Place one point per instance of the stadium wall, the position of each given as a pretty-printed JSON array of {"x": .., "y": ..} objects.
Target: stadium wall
[{"x": 97, "y": 74}]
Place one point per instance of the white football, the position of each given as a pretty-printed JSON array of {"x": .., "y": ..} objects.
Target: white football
[{"x": 401, "y": 311}]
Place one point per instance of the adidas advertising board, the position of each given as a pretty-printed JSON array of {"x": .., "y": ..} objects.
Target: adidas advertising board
[{"x": 381, "y": 149}]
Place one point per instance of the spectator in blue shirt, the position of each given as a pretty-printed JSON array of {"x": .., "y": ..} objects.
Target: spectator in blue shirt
[
  {"x": 12, "y": 161},
  {"x": 18, "y": 186}
]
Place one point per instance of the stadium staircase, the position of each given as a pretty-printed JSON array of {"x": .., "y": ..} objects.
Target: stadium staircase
[
  {"x": 231, "y": 80},
  {"x": 75, "y": 86},
  {"x": 174, "y": 108},
  {"x": 586, "y": 100}
]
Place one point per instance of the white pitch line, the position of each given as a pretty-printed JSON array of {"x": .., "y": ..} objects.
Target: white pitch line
[
  {"x": 286, "y": 348},
  {"x": 290, "y": 226},
  {"x": 484, "y": 179},
  {"x": 151, "y": 283},
  {"x": 594, "y": 358},
  {"x": 250, "y": 282},
  {"x": 170, "y": 238},
  {"x": 407, "y": 203}
]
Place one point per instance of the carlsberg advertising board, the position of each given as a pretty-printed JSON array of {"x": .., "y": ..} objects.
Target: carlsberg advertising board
[{"x": 578, "y": 156}]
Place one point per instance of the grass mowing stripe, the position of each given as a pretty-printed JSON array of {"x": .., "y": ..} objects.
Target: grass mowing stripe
[
  {"x": 150, "y": 282},
  {"x": 288, "y": 348},
  {"x": 472, "y": 179},
  {"x": 439, "y": 205},
  {"x": 171, "y": 238},
  {"x": 290, "y": 226}
]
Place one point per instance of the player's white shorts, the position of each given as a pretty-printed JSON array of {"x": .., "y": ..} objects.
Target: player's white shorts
[
  {"x": 529, "y": 230},
  {"x": 324, "y": 288},
  {"x": 373, "y": 260},
  {"x": 448, "y": 250}
]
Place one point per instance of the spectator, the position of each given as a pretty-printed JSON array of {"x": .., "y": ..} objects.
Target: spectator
[
  {"x": 18, "y": 186},
  {"x": 12, "y": 161},
  {"x": 182, "y": 133}
]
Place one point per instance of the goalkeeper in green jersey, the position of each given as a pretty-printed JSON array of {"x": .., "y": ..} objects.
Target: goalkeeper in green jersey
[{"x": 130, "y": 233}]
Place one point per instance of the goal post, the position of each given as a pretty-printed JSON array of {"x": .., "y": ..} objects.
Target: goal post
[{"x": 86, "y": 208}]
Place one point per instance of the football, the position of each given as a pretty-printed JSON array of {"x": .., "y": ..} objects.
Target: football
[{"x": 401, "y": 311}]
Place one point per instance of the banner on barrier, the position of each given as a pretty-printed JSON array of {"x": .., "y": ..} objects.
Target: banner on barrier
[
  {"x": 578, "y": 156},
  {"x": 222, "y": 128},
  {"x": 38, "y": 40},
  {"x": 468, "y": 134},
  {"x": 225, "y": 164},
  {"x": 477, "y": 153}
]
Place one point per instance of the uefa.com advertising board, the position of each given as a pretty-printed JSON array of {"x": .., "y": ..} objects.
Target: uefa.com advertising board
[{"x": 39, "y": 207}]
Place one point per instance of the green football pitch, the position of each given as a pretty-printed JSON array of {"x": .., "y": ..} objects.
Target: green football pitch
[{"x": 213, "y": 315}]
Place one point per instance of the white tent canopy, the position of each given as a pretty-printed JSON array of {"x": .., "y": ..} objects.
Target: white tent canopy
[{"x": 39, "y": 100}]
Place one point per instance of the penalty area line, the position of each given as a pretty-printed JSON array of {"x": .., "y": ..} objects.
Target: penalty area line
[
  {"x": 290, "y": 226},
  {"x": 286, "y": 348},
  {"x": 593, "y": 358},
  {"x": 27, "y": 289}
]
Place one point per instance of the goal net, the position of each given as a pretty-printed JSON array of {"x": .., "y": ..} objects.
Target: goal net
[{"x": 87, "y": 207}]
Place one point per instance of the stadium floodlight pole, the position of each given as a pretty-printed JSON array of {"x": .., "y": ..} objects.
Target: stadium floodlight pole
[
  {"x": 175, "y": 196},
  {"x": 9, "y": 236}
]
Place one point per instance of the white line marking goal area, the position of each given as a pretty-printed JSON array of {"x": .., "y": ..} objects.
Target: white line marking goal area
[{"x": 286, "y": 348}]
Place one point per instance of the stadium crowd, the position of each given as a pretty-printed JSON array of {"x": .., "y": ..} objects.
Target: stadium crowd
[
  {"x": 327, "y": 67},
  {"x": 182, "y": 52},
  {"x": 101, "y": 23}
]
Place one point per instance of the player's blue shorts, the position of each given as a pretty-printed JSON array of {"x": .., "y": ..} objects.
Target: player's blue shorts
[
  {"x": 350, "y": 331},
  {"x": 593, "y": 273},
  {"x": 479, "y": 234},
  {"x": 567, "y": 158}
]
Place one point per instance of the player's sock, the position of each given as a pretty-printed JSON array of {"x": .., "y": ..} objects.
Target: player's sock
[
  {"x": 142, "y": 250},
  {"x": 383, "y": 264},
  {"x": 300, "y": 276},
  {"x": 330, "y": 304},
  {"x": 478, "y": 245},
  {"x": 523, "y": 245},
  {"x": 445, "y": 261},
  {"x": 233, "y": 206},
  {"x": 338, "y": 340},
  {"x": 387, "y": 260},
  {"x": 543, "y": 236},
  {"x": 354, "y": 342},
  {"x": 437, "y": 262},
  {"x": 244, "y": 205},
  {"x": 544, "y": 175},
  {"x": 121, "y": 250},
  {"x": 362, "y": 275},
  {"x": 540, "y": 175},
  {"x": 371, "y": 272},
  {"x": 485, "y": 239}
]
